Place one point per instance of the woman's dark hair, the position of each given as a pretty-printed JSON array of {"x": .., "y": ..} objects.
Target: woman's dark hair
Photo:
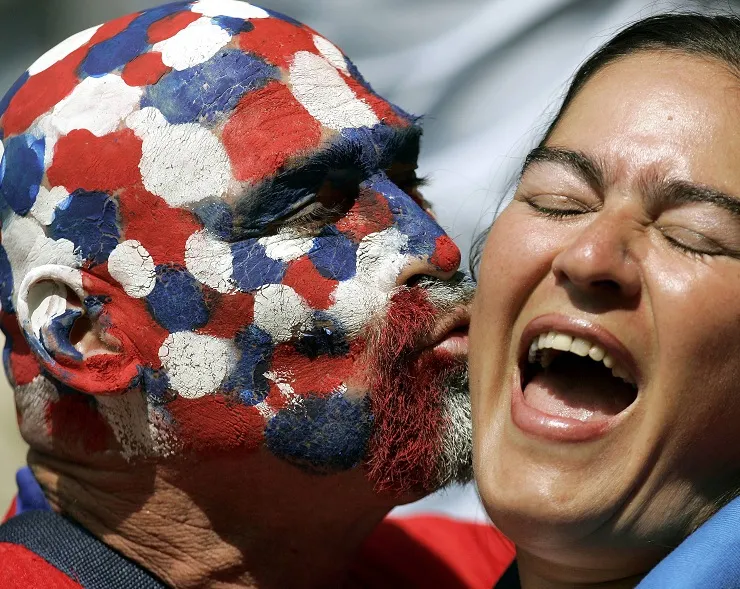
[{"x": 712, "y": 36}]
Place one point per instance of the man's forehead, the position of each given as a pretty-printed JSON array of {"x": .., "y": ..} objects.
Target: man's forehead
[{"x": 265, "y": 86}]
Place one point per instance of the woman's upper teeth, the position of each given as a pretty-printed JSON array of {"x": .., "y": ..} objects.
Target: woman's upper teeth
[{"x": 563, "y": 342}]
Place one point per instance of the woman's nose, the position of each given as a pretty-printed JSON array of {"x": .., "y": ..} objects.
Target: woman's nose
[{"x": 598, "y": 260}]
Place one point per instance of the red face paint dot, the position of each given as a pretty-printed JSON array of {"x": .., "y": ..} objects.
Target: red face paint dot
[
  {"x": 229, "y": 314},
  {"x": 170, "y": 25},
  {"x": 108, "y": 163},
  {"x": 268, "y": 127},
  {"x": 143, "y": 215},
  {"x": 446, "y": 255},
  {"x": 214, "y": 424},
  {"x": 145, "y": 70},
  {"x": 277, "y": 40},
  {"x": 369, "y": 214},
  {"x": 42, "y": 92},
  {"x": 303, "y": 277},
  {"x": 112, "y": 28},
  {"x": 381, "y": 107},
  {"x": 74, "y": 422}
]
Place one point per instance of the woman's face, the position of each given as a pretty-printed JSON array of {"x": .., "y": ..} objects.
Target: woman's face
[{"x": 625, "y": 235}]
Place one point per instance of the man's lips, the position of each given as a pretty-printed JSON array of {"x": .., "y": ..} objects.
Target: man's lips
[{"x": 450, "y": 334}]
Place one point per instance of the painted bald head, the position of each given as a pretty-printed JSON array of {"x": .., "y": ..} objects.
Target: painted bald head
[{"x": 212, "y": 241}]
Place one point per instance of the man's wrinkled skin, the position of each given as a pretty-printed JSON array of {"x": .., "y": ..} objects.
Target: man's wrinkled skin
[{"x": 221, "y": 285}]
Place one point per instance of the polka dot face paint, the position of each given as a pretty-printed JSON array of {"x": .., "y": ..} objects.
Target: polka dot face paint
[{"x": 233, "y": 208}]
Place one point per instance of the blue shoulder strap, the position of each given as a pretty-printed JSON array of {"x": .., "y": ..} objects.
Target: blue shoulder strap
[
  {"x": 74, "y": 551},
  {"x": 710, "y": 557}
]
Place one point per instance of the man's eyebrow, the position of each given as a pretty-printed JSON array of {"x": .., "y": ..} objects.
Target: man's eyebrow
[
  {"x": 579, "y": 163},
  {"x": 660, "y": 195},
  {"x": 401, "y": 146}
]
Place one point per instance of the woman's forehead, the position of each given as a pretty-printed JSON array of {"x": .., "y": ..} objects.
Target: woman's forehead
[{"x": 675, "y": 113}]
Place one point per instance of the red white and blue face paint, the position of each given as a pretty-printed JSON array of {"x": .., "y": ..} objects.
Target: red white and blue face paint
[{"x": 235, "y": 210}]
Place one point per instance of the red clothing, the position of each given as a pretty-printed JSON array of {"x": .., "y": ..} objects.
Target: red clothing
[
  {"x": 433, "y": 551},
  {"x": 22, "y": 569},
  {"x": 409, "y": 553}
]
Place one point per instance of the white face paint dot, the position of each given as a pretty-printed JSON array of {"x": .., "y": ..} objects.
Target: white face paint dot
[
  {"x": 58, "y": 53},
  {"x": 280, "y": 311},
  {"x": 193, "y": 45},
  {"x": 286, "y": 246},
  {"x": 49, "y": 301},
  {"x": 331, "y": 53},
  {"x": 232, "y": 8},
  {"x": 46, "y": 203},
  {"x": 380, "y": 259},
  {"x": 322, "y": 91},
  {"x": 183, "y": 164},
  {"x": 196, "y": 364},
  {"x": 99, "y": 105},
  {"x": 133, "y": 268},
  {"x": 210, "y": 261},
  {"x": 28, "y": 247}
]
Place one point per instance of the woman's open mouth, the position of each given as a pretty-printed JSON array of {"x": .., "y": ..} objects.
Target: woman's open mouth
[{"x": 572, "y": 386}]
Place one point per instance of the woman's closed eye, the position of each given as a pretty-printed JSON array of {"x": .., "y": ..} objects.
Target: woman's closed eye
[
  {"x": 556, "y": 206},
  {"x": 701, "y": 230}
]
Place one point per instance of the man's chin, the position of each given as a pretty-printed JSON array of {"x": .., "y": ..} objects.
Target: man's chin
[{"x": 422, "y": 439}]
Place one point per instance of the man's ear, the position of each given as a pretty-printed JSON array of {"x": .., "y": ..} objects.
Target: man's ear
[{"x": 67, "y": 340}]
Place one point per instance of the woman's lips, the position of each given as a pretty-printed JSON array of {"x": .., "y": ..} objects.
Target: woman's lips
[{"x": 554, "y": 427}]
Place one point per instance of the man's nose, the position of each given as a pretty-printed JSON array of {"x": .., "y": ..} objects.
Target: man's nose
[
  {"x": 443, "y": 263},
  {"x": 598, "y": 260}
]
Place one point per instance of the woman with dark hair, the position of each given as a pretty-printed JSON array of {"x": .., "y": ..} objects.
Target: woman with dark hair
[{"x": 605, "y": 362}]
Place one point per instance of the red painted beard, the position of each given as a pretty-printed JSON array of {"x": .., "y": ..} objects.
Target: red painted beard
[{"x": 408, "y": 387}]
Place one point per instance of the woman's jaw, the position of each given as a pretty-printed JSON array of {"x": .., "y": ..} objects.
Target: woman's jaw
[{"x": 583, "y": 468}]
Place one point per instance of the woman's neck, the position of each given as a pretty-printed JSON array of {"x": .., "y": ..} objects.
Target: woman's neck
[{"x": 539, "y": 573}]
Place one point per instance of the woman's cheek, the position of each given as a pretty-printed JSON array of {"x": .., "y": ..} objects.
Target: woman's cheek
[{"x": 518, "y": 255}]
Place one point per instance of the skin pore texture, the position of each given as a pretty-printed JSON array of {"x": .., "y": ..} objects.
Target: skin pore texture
[
  {"x": 235, "y": 334},
  {"x": 625, "y": 223}
]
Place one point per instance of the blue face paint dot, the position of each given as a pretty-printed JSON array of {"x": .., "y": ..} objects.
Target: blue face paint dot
[
  {"x": 90, "y": 221},
  {"x": 12, "y": 91},
  {"x": 248, "y": 377},
  {"x": 94, "y": 304},
  {"x": 55, "y": 337},
  {"x": 253, "y": 268},
  {"x": 321, "y": 434},
  {"x": 326, "y": 338},
  {"x": 217, "y": 217},
  {"x": 6, "y": 282},
  {"x": 233, "y": 25},
  {"x": 177, "y": 302},
  {"x": 285, "y": 17},
  {"x": 154, "y": 384},
  {"x": 114, "y": 53},
  {"x": 335, "y": 257},
  {"x": 410, "y": 219},
  {"x": 207, "y": 92},
  {"x": 24, "y": 169}
]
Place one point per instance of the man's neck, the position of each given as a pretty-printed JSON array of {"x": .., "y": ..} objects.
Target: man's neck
[{"x": 222, "y": 522}]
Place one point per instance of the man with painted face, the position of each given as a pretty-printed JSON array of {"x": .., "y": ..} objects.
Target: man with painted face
[{"x": 235, "y": 335}]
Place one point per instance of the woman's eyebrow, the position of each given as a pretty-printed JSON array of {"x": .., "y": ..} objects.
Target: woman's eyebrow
[
  {"x": 673, "y": 193},
  {"x": 577, "y": 162}
]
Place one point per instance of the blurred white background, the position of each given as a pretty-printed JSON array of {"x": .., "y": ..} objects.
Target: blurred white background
[{"x": 485, "y": 72}]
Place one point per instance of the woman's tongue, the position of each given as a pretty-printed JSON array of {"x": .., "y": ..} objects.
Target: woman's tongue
[{"x": 578, "y": 388}]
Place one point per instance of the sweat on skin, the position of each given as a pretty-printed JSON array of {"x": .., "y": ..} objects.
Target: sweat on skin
[{"x": 207, "y": 184}]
